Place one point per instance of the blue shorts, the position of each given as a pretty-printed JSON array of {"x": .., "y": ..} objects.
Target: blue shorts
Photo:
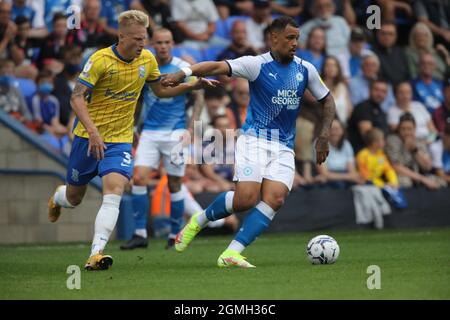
[{"x": 83, "y": 168}]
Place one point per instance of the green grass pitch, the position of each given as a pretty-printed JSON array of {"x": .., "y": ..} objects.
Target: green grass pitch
[{"x": 414, "y": 264}]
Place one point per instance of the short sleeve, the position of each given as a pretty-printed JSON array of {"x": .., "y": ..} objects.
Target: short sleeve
[
  {"x": 247, "y": 67},
  {"x": 393, "y": 116},
  {"x": 349, "y": 153},
  {"x": 315, "y": 84},
  {"x": 92, "y": 71},
  {"x": 154, "y": 73}
]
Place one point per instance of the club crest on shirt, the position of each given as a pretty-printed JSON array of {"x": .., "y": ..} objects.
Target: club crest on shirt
[
  {"x": 141, "y": 72},
  {"x": 299, "y": 77}
]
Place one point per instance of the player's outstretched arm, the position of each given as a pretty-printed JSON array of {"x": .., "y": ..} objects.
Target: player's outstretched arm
[
  {"x": 329, "y": 111},
  {"x": 78, "y": 103},
  {"x": 202, "y": 69},
  {"x": 166, "y": 92}
]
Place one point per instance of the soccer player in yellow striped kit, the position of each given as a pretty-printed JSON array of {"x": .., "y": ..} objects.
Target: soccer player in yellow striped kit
[{"x": 104, "y": 100}]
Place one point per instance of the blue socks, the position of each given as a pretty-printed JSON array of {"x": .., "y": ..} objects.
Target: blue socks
[
  {"x": 257, "y": 220},
  {"x": 222, "y": 206},
  {"x": 141, "y": 205},
  {"x": 176, "y": 212}
]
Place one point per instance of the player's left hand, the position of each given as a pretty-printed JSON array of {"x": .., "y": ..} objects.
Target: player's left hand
[
  {"x": 172, "y": 79},
  {"x": 322, "y": 149},
  {"x": 203, "y": 83}
]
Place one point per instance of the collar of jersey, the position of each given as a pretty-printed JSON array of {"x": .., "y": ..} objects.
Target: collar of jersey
[{"x": 114, "y": 49}]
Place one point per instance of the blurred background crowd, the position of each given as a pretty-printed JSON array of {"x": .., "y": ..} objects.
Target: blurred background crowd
[{"x": 391, "y": 85}]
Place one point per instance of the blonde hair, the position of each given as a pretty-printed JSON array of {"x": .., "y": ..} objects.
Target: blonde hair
[
  {"x": 133, "y": 17},
  {"x": 420, "y": 26}
]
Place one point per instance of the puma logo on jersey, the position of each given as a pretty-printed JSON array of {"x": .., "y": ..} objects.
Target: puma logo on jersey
[{"x": 273, "y": 75}]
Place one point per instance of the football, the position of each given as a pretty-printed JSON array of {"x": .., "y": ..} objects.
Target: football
[{"x": 322, "y": 249}]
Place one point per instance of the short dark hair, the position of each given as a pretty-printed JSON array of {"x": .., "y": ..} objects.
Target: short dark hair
[
  {"x": 280, "y": 23},
  {"x": 215, "y": 93},
  {"x": 375, "y": 81},
  {"x": 406, "y": 117},
  {"x": 21, "y": 20},
  {"x": 44, "y": 74},
  {"x": 58, "y": 16}
]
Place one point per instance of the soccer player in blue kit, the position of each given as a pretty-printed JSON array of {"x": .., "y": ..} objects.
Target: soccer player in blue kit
[{"x": 264, "y": 167}]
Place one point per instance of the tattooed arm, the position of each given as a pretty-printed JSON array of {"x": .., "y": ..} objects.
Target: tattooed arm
[
  {"x": 78, "y": 103},
  {"x": 329, "y": 111}
]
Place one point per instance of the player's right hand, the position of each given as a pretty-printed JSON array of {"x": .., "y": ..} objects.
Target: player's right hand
[{"x": 96, "y": 146}]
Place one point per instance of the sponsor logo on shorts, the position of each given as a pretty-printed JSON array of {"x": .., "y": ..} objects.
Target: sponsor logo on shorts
[{"x": 247, "y": 171}]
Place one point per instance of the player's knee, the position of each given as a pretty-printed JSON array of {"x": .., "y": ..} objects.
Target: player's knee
[
  {"x": 140, "y": 179},
  {"x": 174, "y": 184},
  {"x": 275, "y": 202},
  {"x": 245, "y": 202}
]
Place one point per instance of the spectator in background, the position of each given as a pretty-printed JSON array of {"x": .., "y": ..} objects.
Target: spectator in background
[
  {"x": 239, "y": 103},
  {"x": 66, "y": 80},
  {"x": 260, "y": 19},
  {"x": 292, "y": 8},
  {"x": 344, "y": 8},
  {"x": 436, "y": 15},
  {"x": 314, "y": 51},
  {"x": 441, "y": 117},
  {"x": 359, "y": 85},
  {"x": 332, "y": 75},
  {"x": 368, "y": 114},
  {"x": 196, "y": 19},
  {"x": 425, "y": 129},
  {"x": 227, "y": 8},
  {"x": 372, "y": 162},
  {"x": 11, "y": 100},
  {"x": 111, "y": 10},
  {"x": 34, "y": 11},
  {"x": 393, "y": 62},
  {"x": 8, "y": 29},
  {"x": 409, "y": 156},
  {"x": 45, "y": 108},
  {"x": 50, "y": 55},
  {"x": 339, "y": 170},
  {"x": 441, "y": 156},
  {"x": 216, "y": 101},
  {"x": 427, "y": 89},
  {"x": 421, "y": 41},
  {"x": 219, "y": 173},
  {"x": 336, "y": 29},
  {"x": 239, "y": 46},
  {"x": 160, "y": 16},
  {"x": 21, "y": 49},
  {"x": 358, "y": 50},
  {"x": 390, "y": 9},
  {"x": 91, "y": 26}
]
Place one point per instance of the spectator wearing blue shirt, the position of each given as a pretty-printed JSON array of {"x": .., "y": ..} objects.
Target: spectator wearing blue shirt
[
  {"x": 427, "y": 89},
  {"x": 358, "y": 50},
  {"x": 359, "y": 85},
  {"x": 20, "y": 8},
  {"x": 45, "y": 108},
  {"x": 441, "y": 156},
  {"x": 339, "y": 169},
  {"x": 111, "y": 9},
  {"x": 314, "y": 51}
]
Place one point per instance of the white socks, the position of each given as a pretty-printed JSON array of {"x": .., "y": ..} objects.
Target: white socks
[
  {"x": 236, "y": 246},
  {"x": 141, "y": 233},
  {"x": 105, "y": 222},
  {"x": 60, "y": 197}
]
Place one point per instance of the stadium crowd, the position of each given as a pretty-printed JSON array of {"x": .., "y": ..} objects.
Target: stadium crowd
[{"x": 391, "y": 85}]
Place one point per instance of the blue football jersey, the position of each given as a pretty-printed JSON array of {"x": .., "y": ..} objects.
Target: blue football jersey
[
  {"x": 276, "y": 91},
  {"x": 165, "y": 113}
]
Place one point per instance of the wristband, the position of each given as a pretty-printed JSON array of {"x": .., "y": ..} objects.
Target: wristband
[{"x": 187, "y": 71}]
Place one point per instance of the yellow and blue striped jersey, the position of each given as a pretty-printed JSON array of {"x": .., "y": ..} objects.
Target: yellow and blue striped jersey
[{"x": 115, "y": 85}]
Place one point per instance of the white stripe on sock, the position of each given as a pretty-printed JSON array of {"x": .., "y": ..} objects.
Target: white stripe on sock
[
  {"x": 138, "y": 190},
  {"x": 266, "y": 210},
  {"x": 229, "y": 201},
  {"x": 177, "y": 196},
  {"x": 60, "y": 197}
]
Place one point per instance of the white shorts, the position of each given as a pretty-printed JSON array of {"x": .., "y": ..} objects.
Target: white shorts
[
  {"x": 258, "y": 159},
  {"x": 156, "y": 144}
]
